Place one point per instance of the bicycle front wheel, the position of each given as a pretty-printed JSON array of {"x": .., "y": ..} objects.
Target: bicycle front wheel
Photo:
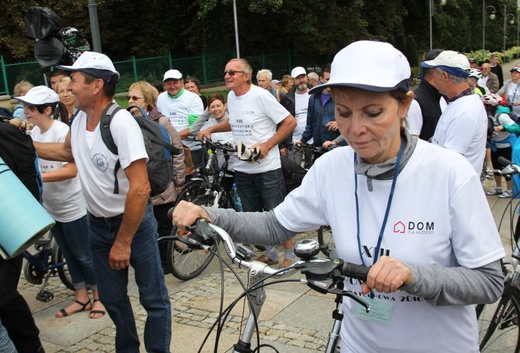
[
  {"x": 498, "y": 324},
  {"x": 63, "y": 271},
  {"x": 326, "y": 240},
  {"x": 186, "y": 263}
]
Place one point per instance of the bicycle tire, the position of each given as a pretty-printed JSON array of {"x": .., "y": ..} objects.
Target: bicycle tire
[
  {"x": 326, "y": 240},
  {"x": 186, "y": 263},
  {"x": 191, "y": 190},
  {"x": 498, "y": 323},
  {"x": 63, "y": 271}
]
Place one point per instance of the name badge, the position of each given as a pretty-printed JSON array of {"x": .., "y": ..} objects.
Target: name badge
[{"x": 380, "y": 311}]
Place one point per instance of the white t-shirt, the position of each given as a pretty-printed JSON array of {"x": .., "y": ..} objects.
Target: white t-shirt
[
  {"x": 462, "y": 127},
  {"x": 253, "y": 117},
  {"x": 301, "y": 104},
  {"x": 96, "y": 163},
  {"x": 415, "y": 119},
  {"x": 179, "y": 109},
  {"x": 449, "y": 226},
  {"x": 63, "y": 200}
]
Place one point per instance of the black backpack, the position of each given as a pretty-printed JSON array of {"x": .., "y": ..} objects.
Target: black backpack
[
  {"x": 158, "y": 147},
  {"x": 17, "y": 151}
]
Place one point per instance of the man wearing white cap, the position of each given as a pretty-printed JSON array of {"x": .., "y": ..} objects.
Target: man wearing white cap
[
  {"x": 123, "y": 230},
  {"x": 182, "y": 107},
  {"x": 296, "y": 101},
  {"x": 462, "y": 126}
]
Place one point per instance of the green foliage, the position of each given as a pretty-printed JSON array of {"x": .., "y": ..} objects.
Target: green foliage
[{"x": 189, "y": 28}]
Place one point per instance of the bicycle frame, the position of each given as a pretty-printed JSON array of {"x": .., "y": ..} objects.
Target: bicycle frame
[{"x": 44, "y": 267}]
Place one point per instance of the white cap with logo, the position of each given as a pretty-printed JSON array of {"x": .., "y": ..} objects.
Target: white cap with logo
[
  {"x": 370, "y": 66},
  {"x": 39, "y": 95}
]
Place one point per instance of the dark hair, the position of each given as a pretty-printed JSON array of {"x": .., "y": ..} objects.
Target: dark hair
[
  {"x": 57, "y": 72},
  {"x": 159, "y": 85},
  {"x": 216, "y": 97},
  {"x": 325, "y": 68},
  {"x": 109, "y": 89},
  {"x": 63, "y": 112},
  {"x": 192, "y": 79}
]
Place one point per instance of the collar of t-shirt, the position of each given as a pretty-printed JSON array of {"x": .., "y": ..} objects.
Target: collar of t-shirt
[
  {"x": 177, "y": 95},
  {"x": 467, "y": 92}
]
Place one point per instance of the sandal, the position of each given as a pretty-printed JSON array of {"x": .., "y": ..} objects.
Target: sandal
[
  {"x": 64, "y": 313},
  {"x": 98, "y": 312},
  {"x": 266, "y": 260}
]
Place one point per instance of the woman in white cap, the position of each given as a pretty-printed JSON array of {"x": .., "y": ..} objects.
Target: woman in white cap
[
  {"x": 63, "y": 200},
  {"x": 413, "y": 211}
]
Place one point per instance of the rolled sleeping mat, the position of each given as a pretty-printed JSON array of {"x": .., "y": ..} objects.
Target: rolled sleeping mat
[{"x": 22, "y": 219}]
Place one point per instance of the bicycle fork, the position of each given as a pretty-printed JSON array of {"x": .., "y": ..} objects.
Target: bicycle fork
[
  {"x": 337, "y": 315},
  {"x": 256, "y": 299}
]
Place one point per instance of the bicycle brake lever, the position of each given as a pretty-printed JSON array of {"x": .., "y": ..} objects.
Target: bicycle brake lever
[{"x": 202, "y": 233}]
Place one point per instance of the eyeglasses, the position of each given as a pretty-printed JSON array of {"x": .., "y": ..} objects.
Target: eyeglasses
[
  {"x": 232, "y": 72},
  {"x": 134, "y": 98}
]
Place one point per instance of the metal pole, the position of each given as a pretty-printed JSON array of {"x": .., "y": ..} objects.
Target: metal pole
[
  {"x": 431, "y": 15},
  {"x": 484, "y": 28},
  {"x": 236, "y": 27},
  {"x": 505, "y": 23},
  {"x": 94, "y": 25}
]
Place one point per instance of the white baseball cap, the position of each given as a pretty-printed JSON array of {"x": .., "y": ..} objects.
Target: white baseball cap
[
  {"x": 368, "y": 65},
  {"x": 297, "y": 71},
  {"x": 95, "y": 64},
  {"x": 450, "y": 61},
  {"x": 39, "y": 95},
  {"x": 172, "y": 75}
]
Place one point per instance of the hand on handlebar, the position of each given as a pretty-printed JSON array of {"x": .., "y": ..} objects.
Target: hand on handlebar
[
  {"x": 186, "y": 213},
  {"x": 203, "y": 134},
  {"x": 387, "y": 275}
]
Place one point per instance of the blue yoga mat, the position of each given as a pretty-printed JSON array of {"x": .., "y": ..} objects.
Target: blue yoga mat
[{"x": 22, "y": 219}]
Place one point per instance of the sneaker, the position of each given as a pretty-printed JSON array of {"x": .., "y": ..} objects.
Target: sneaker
[
  {"x": 505, "y": 195},
  {"x": 495, "y": 191}
]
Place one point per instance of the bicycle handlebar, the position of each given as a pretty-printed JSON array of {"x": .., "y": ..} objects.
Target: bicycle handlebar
[
  {"x": 510, "y": 167},
  {"x": 218, "y": 145},
  {"x": 321, "y": 274}
]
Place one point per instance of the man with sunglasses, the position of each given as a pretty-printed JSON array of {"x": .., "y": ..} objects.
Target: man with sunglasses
[{"x": 259, "y": 121}]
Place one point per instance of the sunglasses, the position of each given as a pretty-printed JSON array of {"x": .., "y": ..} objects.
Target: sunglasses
[
  {"x": 232, "y": 72},
  {"x": 134, "y": 98}
]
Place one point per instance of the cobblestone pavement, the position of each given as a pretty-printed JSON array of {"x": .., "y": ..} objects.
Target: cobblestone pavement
[{"x": 195, "y": 307}]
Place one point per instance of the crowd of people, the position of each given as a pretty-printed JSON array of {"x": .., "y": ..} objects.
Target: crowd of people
[{"x": 400, "y": 145}]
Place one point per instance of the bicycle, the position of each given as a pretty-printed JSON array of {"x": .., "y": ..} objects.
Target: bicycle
[
  {"x": 212, "y": 188},
  {"x": 325, "y": 237},
  {"x": 46, "y": 262},
  {"x": 324, "y": 275},
  {"x": 498, "y": 322},
  {"x": 210, "y": 178}
]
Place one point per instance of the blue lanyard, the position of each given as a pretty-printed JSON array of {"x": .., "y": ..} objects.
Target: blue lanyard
[{"x": 388, "y": 205}]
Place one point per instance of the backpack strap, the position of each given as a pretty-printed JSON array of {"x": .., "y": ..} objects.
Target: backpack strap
[
  {"x": 172, "y": 149},
  {"x": 106, "y": 136}
]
